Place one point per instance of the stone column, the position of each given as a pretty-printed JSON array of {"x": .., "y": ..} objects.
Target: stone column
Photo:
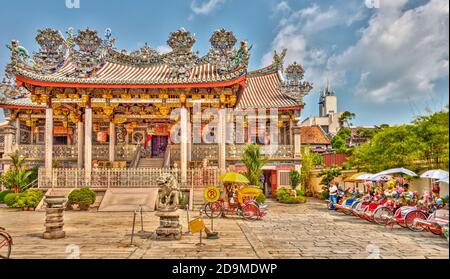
[
  {"x": 183, "y": 143},
  {"x": 49, "y": 140},
  {"x": 80, "y": 144},
  {"x": 17, "y": 125},
  {"x": 222, "y": 139},
  {"x": 297, "y": 139},
  {"x": 112, "y": 141},
  {"x": 88, "y": 141}
]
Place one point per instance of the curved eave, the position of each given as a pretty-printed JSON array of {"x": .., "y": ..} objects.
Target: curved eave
[
  {"x": 4, "y": 106},
  {"x": 22, "y": 79},
  {"x": 266, "y": 108}
]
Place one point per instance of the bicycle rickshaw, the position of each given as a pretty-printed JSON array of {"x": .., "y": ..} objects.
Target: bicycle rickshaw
[
  {"x": 239, "y": 199},
  {"x": 5, "y": 244}
]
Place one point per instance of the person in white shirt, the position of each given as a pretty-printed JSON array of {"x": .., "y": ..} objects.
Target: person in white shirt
[{"x": 333, "y": 194}]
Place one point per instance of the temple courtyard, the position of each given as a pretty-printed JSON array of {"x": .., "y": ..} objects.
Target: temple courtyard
[{"x": 288, "y": 231}]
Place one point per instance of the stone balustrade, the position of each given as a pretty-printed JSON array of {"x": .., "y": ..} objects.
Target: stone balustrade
[{"x": 70, "y": 152}]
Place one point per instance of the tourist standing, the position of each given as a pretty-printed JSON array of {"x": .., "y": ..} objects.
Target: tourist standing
[{"x": 333, "y": 195}]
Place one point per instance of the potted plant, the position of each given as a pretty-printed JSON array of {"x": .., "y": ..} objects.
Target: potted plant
[{"x": 81, "y": 198}]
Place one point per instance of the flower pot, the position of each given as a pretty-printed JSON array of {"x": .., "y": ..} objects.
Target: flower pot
[
  {"x": 75, "y": 206},
  {"x": 84, "y": 207}
]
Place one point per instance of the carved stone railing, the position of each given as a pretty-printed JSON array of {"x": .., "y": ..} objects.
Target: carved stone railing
[
  {"x": 204, "y": 151},
  {"x": 124, "y": 178},
  {"x": 70, "y": 152},
  {"x": 37, "y": 152},
  {"x": 235, "y": 151}
]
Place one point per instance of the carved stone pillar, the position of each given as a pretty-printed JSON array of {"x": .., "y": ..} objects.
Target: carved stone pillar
[
  {"x": 183, "y": 143},
  {"x": 17, "y": 134},
  {"x": 222, "y": 139},
  {"x": 49, "y": 140},
  {"x": 88, "y": 142},
  {"x": 112, "y": 142},
  {"x": 80, "y": 144}
]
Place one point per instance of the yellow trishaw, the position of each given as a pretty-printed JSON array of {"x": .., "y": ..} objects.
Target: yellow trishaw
[{"x": 239, "y": 199}]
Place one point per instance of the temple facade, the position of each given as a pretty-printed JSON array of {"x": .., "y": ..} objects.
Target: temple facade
[{"x": 90, "y": 114}]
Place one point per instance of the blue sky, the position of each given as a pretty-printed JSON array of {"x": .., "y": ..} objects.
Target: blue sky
[{"x": 387, "y": 63}]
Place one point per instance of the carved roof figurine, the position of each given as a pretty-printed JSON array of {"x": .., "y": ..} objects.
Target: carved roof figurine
[
  {"x": 278, "y": 58},
  {"x": 145, "y": 54},
  {"x": 90, "y": 55},
  {"x": 53, "y": 50},
  {"x": 181, "y": 60},
  {"x": 19, "y": 53},
  {"x": 243, "y": 55},
  {"x": 109, "y": 41},
  {"x": 293, "y": 86},
  {"x": 222, "y": 52}
]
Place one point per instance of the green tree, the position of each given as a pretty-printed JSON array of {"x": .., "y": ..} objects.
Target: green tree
[
  {"x": 391, "y": 148},
  {"x": 17, "y": 160},
  {"x": 328, "y": 175},
  {"x": 339, "y": 141},
  {"x": 433, "y": 133},
  {"x": 309, "y": 160},
  {"x": 339, "y": 144},
  {"x": 295, "y": 178},
  {"x": 18, "y": 178},
  {"x": 254, "y": 162},
  {"x": 345, "y": 118}
]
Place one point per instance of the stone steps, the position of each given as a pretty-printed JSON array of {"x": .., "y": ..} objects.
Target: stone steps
[{"x": 151, "y": 163}]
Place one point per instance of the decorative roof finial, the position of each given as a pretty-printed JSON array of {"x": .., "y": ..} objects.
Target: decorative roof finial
[
  {"x": 278, "y": 58},
  {"x": 293, "y": 86}
]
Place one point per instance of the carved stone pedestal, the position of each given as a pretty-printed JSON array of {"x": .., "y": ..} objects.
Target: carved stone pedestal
[
  {"x": 169, "y": 226},
  {"x": 54, "y": 221}
]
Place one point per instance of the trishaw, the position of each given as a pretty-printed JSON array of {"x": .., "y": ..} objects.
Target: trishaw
[
  {"x": 435, "y": 222},
  {"x": 241, "y": 202}
]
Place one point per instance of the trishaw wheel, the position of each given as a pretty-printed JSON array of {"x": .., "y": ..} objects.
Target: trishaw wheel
[
  {"x": 251, "y": 212},
  {"x": 5, "y": 247},
  {"x": 213, "y": 210},
  {"x": 413, "y": 215},
  {"x": 382, "y": 215},
  {"x": 435, "y": 229}
]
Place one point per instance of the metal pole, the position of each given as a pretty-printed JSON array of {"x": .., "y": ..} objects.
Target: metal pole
[
  {"x": 132, "y": 230},
  {"x": 142, "y": 221}
]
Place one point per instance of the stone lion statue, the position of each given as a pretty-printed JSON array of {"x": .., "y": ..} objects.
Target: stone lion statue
[{"x": 169, "y": 192}]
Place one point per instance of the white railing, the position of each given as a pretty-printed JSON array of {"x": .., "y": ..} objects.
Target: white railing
[{"x": 124, "y": 178}]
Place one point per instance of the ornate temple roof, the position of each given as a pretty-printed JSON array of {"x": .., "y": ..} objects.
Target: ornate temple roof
[
  {"x": 87, "y": 59},
  {"x": 263, "y": 90}
]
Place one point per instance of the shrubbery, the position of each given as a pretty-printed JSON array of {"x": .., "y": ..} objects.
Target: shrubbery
[
  {"x": 83, "y": 197},
  {"x": 261, "y": 198},
  {"x": 4, "y": 193},
  {"x": 284, "y": 196},
  {"x": 28, "y": 199}
]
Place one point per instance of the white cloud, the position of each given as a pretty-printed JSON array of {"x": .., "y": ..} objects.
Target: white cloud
[
  {"x": 204, "y": 7},
  {"x": 297, "y": 30},
  {"x": 401, "y": 53},
  {"x": 282, "y": 8}
]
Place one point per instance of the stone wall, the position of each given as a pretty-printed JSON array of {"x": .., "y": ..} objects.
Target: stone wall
[{"x": 314, "y": 181}]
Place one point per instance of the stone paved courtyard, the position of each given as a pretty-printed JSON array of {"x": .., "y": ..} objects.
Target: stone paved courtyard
[{"x": 289, "y": 231}]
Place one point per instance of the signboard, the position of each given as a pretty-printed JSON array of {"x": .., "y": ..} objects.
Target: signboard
[
  {"x": 196, "y": 225},
  {"x": 211, "y": 194},
  {"x": 250, "y": 192}
]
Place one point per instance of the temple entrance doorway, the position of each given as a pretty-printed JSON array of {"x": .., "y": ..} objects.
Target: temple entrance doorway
[{"x": 159, "y": 146}]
